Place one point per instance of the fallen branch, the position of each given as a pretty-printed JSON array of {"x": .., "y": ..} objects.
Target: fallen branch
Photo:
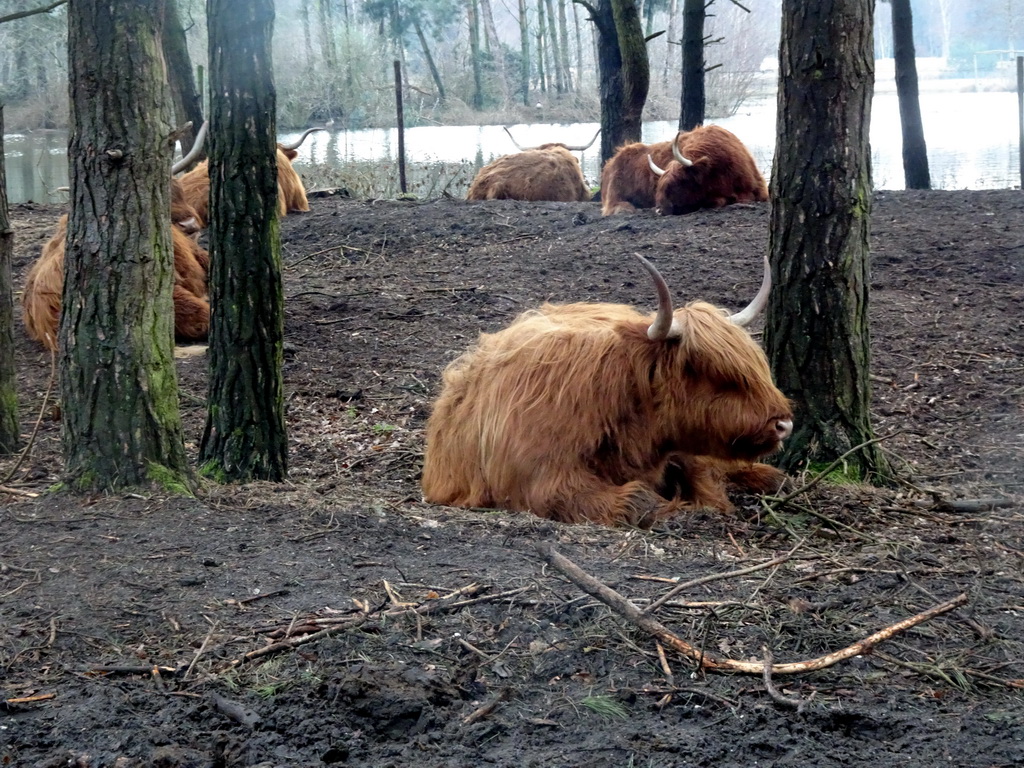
[
  {"x": 629, "y": 611},
  {"x": 16, "y": 492},
  {"x": 486, "y": 709},
  {"x": 29, "y": 699}
]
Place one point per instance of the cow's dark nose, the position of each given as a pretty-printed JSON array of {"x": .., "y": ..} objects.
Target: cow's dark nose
[{"x": 783, "y": 428}]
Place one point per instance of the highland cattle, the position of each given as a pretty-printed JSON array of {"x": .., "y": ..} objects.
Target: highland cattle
[{"x": 602, "y": 413}]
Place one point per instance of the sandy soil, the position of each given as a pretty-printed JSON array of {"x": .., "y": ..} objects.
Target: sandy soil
[{"x": 128, "y": 625}]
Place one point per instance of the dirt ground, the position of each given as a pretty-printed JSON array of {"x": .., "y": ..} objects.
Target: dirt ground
[{"x": 130, "y": 626}]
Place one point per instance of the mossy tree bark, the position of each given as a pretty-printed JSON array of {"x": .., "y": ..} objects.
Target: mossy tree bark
[
  {"x": 623, "y": 70},
  {"x": 915, "y": 151},
  {"x": 188, "y": 105},
  {"x": 692, "y": 101},
  {"x": 121, "y": 425},
  {"x": 8, "y": 379},
  {"x": 816, "y": 331},
  {"x": 245, "y": 435}
]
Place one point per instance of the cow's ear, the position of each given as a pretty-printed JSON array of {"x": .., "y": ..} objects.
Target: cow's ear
[{"x": 291, "y": 154}]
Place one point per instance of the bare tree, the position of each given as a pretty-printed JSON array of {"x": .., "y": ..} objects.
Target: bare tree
[{"x": 915, "y": 151}]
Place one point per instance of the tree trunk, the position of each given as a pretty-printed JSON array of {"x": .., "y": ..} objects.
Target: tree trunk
[
  {"x": 556, "y": 54},
  {"x": 245, "y": 435},
  {"x": 118, "y": 381},
  {"x": 673, "y": 10},
  {"x": 8, "y": 379},
  {"x": 494, "y": 44},
  {"x": 187, "y": 102},
  {"x": 915, "y": 152},
  {"x": 692, "y": 102},
  {"x": 524, "y": 43},
  {"x": 563, "y": 36},
  {"x": 624, "y": 72},
  {"x": 579, "y": 48},
  {"x": 816, "y": 328},
  {"x": 542, "y": 69},
  {"x": 326, "y": 29},
  {"x": 430, "y": 59},
  {"x": 474, "y": 45}
]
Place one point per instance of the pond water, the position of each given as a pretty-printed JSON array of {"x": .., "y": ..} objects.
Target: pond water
[{"x": 972, "y": 143}]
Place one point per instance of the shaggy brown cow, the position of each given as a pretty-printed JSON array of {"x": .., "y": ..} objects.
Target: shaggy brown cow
[
  {"x": 711, "y": 169},
  {"x": 291, "y": 195},
  {"x": 599, "y": 412},
  {"x": 547, "y": 172},
  {"x": 627, "y": 181},
  {"x": 41, "y": 298}
]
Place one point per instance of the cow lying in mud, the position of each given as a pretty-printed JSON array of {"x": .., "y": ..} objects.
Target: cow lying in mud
[
  {"x": 291, "y": 194},
  {"x": 707, "y": 167},
  {"x": 601, "y": 413},
  {"x": 546, "y": 172}
]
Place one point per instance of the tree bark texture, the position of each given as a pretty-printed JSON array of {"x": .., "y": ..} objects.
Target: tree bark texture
[
  {"x": 188, "y": 104},
  {"x": 556, "y": 54},
  {"x": 245, "y": 436},
  {"x": 121, "y": 425},
  {"x": 692, "y": 102},
  {"x": 623, "y": 71},
  {"x": 8, "y": 379},
  {"x": 816, "y": 332},
  {"x": 915, "y": 151}
]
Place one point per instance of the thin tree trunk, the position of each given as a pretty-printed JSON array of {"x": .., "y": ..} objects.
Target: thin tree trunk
[
  {"x": 556, "y": 55},
  {"x": 673, "y": 11},
  {"x": 494, "y": 44},
  {"x": 8, "y": 378},
  {"x": 579, "y": 48},
  {"x": 430, "y": 59},
  {"x": 474, "y": 46},
  {"x": 245, "y": 436},
  {"x": 816, "y": 328},
  {"x": 121, "y": 426},
  {"x": 326, "y": 30},
  {"x": 524, "y": 43},
  {"x": 307, "y": 37},
  {"x": 542, "y": 69},
  {"x": 691, "y": 112},
  {"x": 185, "y": 96},
  {"x": 915, "y": 151},
  {"x": 563, "y": 35}
]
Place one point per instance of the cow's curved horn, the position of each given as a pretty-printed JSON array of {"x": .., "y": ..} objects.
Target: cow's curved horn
[
  {"x": 664, "y": 326},
  {"x": 757, "y": 305},
  {"x": 521, "y": 149},
  {"x": 298, "y": 143},
  {"x": 679, "y": 155},
  {"x": 197, "y": 147},
  {"x": 585, "y": 146},
  {"x": 654, "y": 166}
]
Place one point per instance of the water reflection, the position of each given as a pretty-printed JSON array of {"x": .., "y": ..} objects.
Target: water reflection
[{"x": 972, "y": 144}]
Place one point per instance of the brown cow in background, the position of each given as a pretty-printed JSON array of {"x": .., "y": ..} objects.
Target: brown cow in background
[
  {"x": 291, "y": 194},
  {"x": 44, "y": 284},
  {"x": 711, "y": 168},
  {"x": 627, "y": 181},
  {"x": 546, "y": 172},
  {"x": 601, "y": 413}
]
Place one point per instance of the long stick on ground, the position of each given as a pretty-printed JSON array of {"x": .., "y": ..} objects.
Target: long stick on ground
[{"x": 629, "y": 611}]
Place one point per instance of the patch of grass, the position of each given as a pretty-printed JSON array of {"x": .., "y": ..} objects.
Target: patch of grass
[
  {"x": 606, "y": 707},
  {"x": 844, "y": 474}
]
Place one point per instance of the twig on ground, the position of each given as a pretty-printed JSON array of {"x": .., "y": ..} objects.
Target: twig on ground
[
  {"x": 824, "y": 473},
  {"x": 669, "y": 677},
  {"x": 39, "y": 420},
  {"x": 202, "y": 649},
  {"x": 17, "y": 492},
  {"x": 29, "y": 699},
  {"x": 775, "y": 693},
  {"x": 717, "y": 577},
  {"x": 254, "y": 598},
  {"x": 131, "y": 669},
  {"x": 629, "y": 611},
  {"x": 486, "y": 709}
]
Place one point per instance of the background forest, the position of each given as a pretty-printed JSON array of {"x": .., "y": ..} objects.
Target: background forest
[{"x": 489, "y": 61}]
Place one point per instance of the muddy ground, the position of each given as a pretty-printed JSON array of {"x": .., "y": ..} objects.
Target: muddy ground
[{"x": 128, "y": 625}]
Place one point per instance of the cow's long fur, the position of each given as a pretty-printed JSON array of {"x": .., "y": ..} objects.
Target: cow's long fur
[
  {"x": 41, "y": 298},
  {"x": 723, "y": 173},
  {"x": 572, "y": 413},
  {"x": 548, "y": 172},
  {"x": 627, "y": 181},
  {"x": 291, "y": 194}
]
